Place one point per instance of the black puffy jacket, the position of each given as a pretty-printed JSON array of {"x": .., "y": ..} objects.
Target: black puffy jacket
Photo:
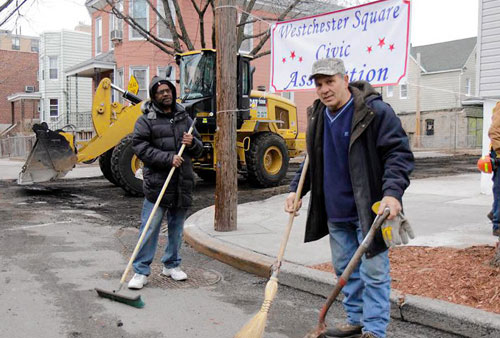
[{"x": 156, "y": 139}]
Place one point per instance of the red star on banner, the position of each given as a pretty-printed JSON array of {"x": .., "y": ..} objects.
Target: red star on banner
[
  {"x": 292, "y": 55},
  {"x": 301, "y": 59},
  {"x": 381, "y": 42},
  {"x": 284, "y": 60},
  {"x": 369, "y": 49},
  {"x": 391, "y": 47}
]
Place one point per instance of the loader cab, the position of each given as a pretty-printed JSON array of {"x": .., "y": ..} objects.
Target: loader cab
[{"x": 198, "y": 87}]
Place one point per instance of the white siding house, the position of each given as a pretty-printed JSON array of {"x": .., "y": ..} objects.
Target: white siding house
[
  {"x": 445, "y": 78},
  {"x": 65, "y": 100},
  {"x": 488, "y": 69}
]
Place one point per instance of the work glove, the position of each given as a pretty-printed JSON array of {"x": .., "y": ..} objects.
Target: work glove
[{"x": 396, "y": 231}]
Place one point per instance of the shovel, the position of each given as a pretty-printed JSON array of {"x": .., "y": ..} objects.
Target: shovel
[
  {"x": 321, "y": 330},
  {"x": 137, "y": 301}
]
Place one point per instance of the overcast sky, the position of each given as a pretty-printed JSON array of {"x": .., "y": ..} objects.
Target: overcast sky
[{"x": 432, "y": 20}]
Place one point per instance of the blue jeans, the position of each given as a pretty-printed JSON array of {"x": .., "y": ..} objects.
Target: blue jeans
[
  {"x": 171, "y": 258},
  {"x": 367, "y": 291},
  {"x": 496, "y": 198}
]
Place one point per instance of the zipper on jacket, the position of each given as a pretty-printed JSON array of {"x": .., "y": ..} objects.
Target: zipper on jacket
[{"x": 172, "y": 125}]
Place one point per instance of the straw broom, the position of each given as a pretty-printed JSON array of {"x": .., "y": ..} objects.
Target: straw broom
[{"x": 255, "y": 327}]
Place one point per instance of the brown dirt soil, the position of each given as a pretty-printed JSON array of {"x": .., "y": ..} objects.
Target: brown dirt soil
[{"x": 461, "y": 276}]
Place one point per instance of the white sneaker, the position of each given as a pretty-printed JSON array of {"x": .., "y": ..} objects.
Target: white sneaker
[
  {"x": 175, "y": 273},
  {"x": 138, "y": 281}
]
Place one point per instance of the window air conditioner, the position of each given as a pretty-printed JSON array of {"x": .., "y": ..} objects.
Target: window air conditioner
[
  {"x": 29, "y": 89},
  {"x": 116, "y": 35}
]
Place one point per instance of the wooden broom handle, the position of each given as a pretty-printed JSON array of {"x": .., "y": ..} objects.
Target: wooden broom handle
[{"x": 288, "y": 229}]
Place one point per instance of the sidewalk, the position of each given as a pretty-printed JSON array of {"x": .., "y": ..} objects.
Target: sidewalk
[{"x": 443, "y": 211}]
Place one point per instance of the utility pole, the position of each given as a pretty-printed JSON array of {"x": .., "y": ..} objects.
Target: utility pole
[
  {"x": 417, "y": 107},
  {"x": 226, "y": 190}
]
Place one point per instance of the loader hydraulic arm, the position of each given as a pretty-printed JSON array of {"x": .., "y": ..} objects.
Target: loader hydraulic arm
[{"x": 127, "y": 95}]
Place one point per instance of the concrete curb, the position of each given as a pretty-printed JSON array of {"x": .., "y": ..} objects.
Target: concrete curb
[{"x": 449, "y": 317}]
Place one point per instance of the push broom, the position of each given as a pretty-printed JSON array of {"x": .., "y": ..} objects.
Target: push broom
[
  {"x": 137, "y": 301},
  {"x": 255, "y": 327}
]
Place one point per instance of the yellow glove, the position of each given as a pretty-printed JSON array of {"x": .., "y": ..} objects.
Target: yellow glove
[{"x": 396, "y": 231}]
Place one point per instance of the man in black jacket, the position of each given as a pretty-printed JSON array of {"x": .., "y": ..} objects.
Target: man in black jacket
[
  {"x": 359, "y": 154},
  {"x": 158, "y": 136}
]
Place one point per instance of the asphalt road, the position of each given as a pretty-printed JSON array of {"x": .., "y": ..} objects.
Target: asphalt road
[{"x": 60, "y": 240}]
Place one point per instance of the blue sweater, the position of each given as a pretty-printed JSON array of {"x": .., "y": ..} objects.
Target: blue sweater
[{"x": 339, "y": 198}]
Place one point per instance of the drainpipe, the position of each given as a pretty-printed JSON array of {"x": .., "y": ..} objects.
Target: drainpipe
[
  {"x": 458, "y": 105},
  {"x": 417, "y": 106}
]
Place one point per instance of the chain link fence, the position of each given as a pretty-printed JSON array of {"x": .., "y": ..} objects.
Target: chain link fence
[
  {"x": 17, "y": 146},
  {"x": 21, "y": 145}
]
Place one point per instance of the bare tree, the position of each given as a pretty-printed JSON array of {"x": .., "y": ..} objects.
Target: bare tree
[
  {"x": 8, "y": 8},
  {"x": 278, "y": 10},
  {"x": 5, "y": 5}
]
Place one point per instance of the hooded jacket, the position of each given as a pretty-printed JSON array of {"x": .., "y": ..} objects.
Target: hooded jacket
[
  {"x": 156, "y": 139},
  {"x": 380, "y": 161},
  {"x": 494, "y": 131}
]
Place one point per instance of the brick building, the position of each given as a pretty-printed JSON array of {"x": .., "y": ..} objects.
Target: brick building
[
  {"x": 22, "y": 43},
  {"x": 18, "y": 86},
  {"x": 119, "y": 52}
]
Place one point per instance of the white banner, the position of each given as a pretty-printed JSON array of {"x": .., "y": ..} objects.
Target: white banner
[{"x": 372, "y": 39}]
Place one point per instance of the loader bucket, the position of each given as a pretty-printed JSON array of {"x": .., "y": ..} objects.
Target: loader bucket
[{"x": 52, "y": 156}]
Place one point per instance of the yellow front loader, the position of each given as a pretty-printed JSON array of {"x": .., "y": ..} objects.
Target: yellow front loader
[
  {"x": 267, "y": 131},
  {"x": 55, "y": 153}
]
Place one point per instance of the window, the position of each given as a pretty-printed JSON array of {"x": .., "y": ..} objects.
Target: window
[
  {"x": 34, "y": 45},
  {"x": 162, "y": 72},
  {"x": 16, "y": 45},
  {"x": 288, "y": 95},
  {"x": 163, "y": 32},
  {"x": 283, "y": 116},
  {"x": 53, "y": 67},
  {"x": 139, "y": 12},
  {"x": 429, "y": 127},
  {"x": 467, "y": 86},
  {"x": 245, "y": 79},
  {"x": 403, "y": 91},
  {"x": 390, "y": 91},
  {"x": 119, "y": 82},
  {"x": 54, "y": 108},
  {"x": 98, "y": 36},
  {"x": 115, "y": 24},
  {"x": 247, "y": 45},
  {"x": 141, "y": 75}
]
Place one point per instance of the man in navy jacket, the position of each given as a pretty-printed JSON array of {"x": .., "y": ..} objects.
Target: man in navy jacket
[{"x": 359, "y": 154}]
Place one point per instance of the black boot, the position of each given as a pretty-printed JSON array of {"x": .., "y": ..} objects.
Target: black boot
[{"x": 344, "y": 330}]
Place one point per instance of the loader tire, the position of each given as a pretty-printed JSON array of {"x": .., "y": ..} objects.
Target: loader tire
[
  {"x": 124, "y": 164},
  {"x": 206, "y": 175},
  {"x": 267, "y": 160},
  {"x": 105, "y": 165}
]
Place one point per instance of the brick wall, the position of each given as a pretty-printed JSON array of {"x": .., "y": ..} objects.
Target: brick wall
[{"x": 17, "y": 70}]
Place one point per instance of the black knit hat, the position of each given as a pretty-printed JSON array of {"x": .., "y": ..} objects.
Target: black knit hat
[{"x": 156, "y": 81}]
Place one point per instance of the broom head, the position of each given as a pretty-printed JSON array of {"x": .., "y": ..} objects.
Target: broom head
[
  {"x": 255, "y": 327},
  {"x": 113, "y": 295}
]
